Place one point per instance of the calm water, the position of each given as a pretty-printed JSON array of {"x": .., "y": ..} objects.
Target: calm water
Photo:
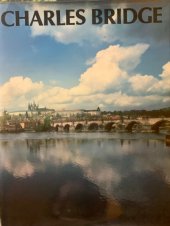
[{"x": 51, "y": 179}]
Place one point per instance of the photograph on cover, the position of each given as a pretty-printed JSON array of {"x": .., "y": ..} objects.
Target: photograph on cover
[{"x": 85, "y": 113}]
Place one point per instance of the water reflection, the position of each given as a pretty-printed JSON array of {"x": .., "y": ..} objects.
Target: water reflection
[
  {"x": 61, "y": 192},
  {"x": 87, "y": 179},
  {"x": 149, "y": 194}
]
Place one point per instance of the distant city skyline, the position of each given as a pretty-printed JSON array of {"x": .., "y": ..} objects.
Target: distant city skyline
[{"x": 111, "y": 66}]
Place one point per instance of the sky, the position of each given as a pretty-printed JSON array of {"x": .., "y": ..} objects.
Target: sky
[{"x": 115, "y": 67}]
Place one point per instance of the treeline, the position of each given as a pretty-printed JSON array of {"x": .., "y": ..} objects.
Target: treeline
[{"x": 164, "y": 112}]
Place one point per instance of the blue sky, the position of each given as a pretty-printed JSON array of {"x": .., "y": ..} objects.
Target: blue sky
[{"x": 41, "y": 55}]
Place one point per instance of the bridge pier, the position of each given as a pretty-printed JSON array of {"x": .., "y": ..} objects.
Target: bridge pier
[{"x": 167, "y": 139}]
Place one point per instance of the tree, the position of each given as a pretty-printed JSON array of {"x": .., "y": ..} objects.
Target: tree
[
  {"x": 4, "y": 118},
  {"x": 47, "y": 123}
]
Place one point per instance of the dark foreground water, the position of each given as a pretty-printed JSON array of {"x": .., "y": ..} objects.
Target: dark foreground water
[{"x": 84, "y": 179}]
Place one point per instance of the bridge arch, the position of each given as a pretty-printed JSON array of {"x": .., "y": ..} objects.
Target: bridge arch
[
  {"x": 79, "y": 127},
  {"x": 156, "y": 126},
  {"x": 109, "y": 126},
  {"x": 67, "y": 127},
  {"x": 132, "y": 125},
  {"x": 57, "y": 128},
  {"x": 100, "y": 126},
  {"x": 93, "y": 126}
]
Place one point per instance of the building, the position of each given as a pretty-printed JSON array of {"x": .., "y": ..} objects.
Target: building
[
  {"x": 96, "y": 112},
  {"x": 69, "y": 113},
  {"x": 81, "y": 112},
  {"x": 33, "y": 110}
]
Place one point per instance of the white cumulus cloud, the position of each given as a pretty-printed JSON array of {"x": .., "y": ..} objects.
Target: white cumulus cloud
[
  {"x": 142, "y": 83},
  {"x": 109, "y": 81},
  {"x": 17, "y": 89},
  {"x": 163, "y": 85}
]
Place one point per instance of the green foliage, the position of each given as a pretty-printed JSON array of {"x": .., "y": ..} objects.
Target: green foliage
[
  {"x": 46, "y": 126},
  {"x": 164, "y": 112},
  {"x": 47, "y": 123},
  {"x": 4, "y": 118}
]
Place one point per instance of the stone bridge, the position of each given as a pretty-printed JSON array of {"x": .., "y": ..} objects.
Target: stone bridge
[{"x": 140, "y": 124}]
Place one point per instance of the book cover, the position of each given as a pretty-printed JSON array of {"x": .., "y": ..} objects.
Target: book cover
[{"x": 85, "y": 113}]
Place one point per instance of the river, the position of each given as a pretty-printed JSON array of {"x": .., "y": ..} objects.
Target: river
[{"x": 84, "y": 179}]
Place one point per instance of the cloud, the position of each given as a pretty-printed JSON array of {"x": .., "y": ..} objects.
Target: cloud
[
  {"x": 65, "y": 34},
  {"x": 142, "y": 83},
  {"x": 18, "y": 89},
  {"x": 108, "y": 70},
  {"x": 148, "y": 84},
  {"x": 109, "y": 81},
  {"x": 163, "y": 85},
  {"x": 107, "y": 33}
]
